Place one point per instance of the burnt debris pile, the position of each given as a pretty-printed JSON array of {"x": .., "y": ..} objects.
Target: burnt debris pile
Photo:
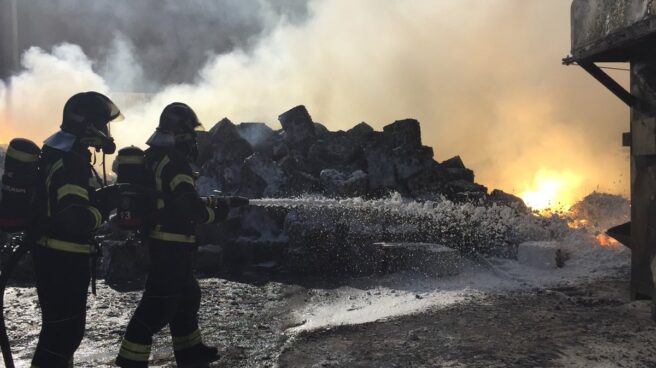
[{"x": 252, "y": 160}]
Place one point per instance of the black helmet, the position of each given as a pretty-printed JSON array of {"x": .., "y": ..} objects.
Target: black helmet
[
  {"x": 179, "y": 118},
  {"x": 177, "y": 127},
  {"x": 86, "y": 116}
]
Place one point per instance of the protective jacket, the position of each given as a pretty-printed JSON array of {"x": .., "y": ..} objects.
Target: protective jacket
[
  {"x": 172, "y": 295},
  {"x": 62, "y": 244},
  {"x": 67, "y": 216},
  {"x": 179, "y": 207}
]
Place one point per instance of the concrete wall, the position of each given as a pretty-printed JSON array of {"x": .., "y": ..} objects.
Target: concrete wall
[{"x": 593, "y": 20}]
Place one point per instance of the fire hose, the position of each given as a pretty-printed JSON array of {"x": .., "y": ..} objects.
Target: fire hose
[{"x": 17, "y": 248}]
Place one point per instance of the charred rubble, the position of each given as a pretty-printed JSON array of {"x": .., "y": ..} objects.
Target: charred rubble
[
  {"x": 305, "y": 159},
  {"x": 252, "y": 160}
]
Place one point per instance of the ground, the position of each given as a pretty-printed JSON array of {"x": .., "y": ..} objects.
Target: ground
[
  {"x": 588, "y": 325},
  {"x": 477, "y": 319}
]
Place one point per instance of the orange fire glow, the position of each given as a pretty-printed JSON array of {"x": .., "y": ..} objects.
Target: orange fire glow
[
  {"x": 603, "y": 239},
  {"x": 608, "y": 242},
  {"x": 555, "y": 190},
  {"x": 6, "y": 134},
  {"x": 578, "y": 223}
]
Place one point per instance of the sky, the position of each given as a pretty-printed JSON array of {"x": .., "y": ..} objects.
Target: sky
[{"x": 484, "y": 78}]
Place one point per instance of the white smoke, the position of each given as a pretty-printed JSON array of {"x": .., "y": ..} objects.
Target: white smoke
[
  {"x": 484, "y": 79},
  {"x": 33, "y": 102},
  {"x": 123, "y": 71}
]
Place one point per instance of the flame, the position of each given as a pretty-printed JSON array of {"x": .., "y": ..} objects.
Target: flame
[
  {"x": 608, "y": 242},
  {"x": 555, "y": 190},
  {"x": 578, "y": 223}
]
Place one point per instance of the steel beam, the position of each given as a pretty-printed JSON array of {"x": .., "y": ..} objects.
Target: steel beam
[{"x": 609, "y": 83}]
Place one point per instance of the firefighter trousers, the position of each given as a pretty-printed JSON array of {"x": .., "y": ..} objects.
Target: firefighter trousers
[
  {"x": 171, "y": 297},
  {"x": 62, "y": 282}
]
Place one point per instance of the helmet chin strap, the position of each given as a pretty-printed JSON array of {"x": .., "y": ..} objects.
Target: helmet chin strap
[{"x": 100, "y": 142}]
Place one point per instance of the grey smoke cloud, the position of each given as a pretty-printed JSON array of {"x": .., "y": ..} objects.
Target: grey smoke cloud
[
  {"x": 173, "y": 38},
  {"x": 483, "y": 77}
]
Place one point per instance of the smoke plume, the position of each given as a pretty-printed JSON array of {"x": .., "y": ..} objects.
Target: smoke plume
[{"x": 484, "y": 79}]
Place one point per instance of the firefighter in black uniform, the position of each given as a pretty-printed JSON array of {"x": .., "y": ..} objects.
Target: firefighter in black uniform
[
  {"x": 172, "y": 295},
  {"x": 66, "y": 220}
]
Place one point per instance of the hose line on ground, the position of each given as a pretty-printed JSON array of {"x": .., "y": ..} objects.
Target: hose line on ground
[{"x": 17, "y": 248}]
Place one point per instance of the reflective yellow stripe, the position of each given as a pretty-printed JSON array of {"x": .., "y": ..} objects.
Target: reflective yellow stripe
[
  {"x": 172, "y": 237},
  {"x": 184, "y": 342},
  {"x": 130, "y": 160},
  {"x": 21, "y": 156},
  {"x": 53, "y": 169},
  {"x": 158, "y": 179},
  {"x": 65, "y": 245},
  {"x": 96, "y": 215},
  {"x": 179, "y": 179},
  {"x": 133, "y": 346},
  {"x": 211, "y": 215},
  {"x": 133, "y": 351},
  {"x": 71, "y": 189},
  {"x": 158, "y": 172}
]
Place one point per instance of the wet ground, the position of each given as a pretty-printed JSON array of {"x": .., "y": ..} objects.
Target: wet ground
[
  {"x": 581, "y": 324},
  {"x": 244, "y": 320},
  {"x": 587, "y": 325}
]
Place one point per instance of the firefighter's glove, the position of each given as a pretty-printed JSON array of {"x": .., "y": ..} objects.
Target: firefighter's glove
[
  {"x": 213, "y": 201},
  {"x": 102, "y": 200}
]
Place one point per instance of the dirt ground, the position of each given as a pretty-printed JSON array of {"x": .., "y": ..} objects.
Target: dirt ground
[
  {"x": 592, "y": 324},
  {"x": 588, "y": 325}
]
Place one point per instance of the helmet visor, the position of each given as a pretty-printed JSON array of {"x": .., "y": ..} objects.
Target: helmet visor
[
  {"x": 114, "y": 113},
  {"x": 118, "y": 118},
  {"x": 199, "y": 127}
]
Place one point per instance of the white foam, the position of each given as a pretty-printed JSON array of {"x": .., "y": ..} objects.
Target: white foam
[{"x": 377, "y": 298}]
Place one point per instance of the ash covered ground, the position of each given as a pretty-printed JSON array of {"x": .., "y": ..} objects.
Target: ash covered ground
[{"x": 496, "y": 313}]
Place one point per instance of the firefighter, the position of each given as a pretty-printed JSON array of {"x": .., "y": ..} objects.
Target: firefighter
[
  {"x": 172, "y": 295},
  {"x": 66, "y": 219}
]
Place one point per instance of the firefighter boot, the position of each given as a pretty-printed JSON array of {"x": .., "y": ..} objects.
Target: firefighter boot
[
  {"x": 126, "y": 363},
  {"x": 197, "y": 356}
]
